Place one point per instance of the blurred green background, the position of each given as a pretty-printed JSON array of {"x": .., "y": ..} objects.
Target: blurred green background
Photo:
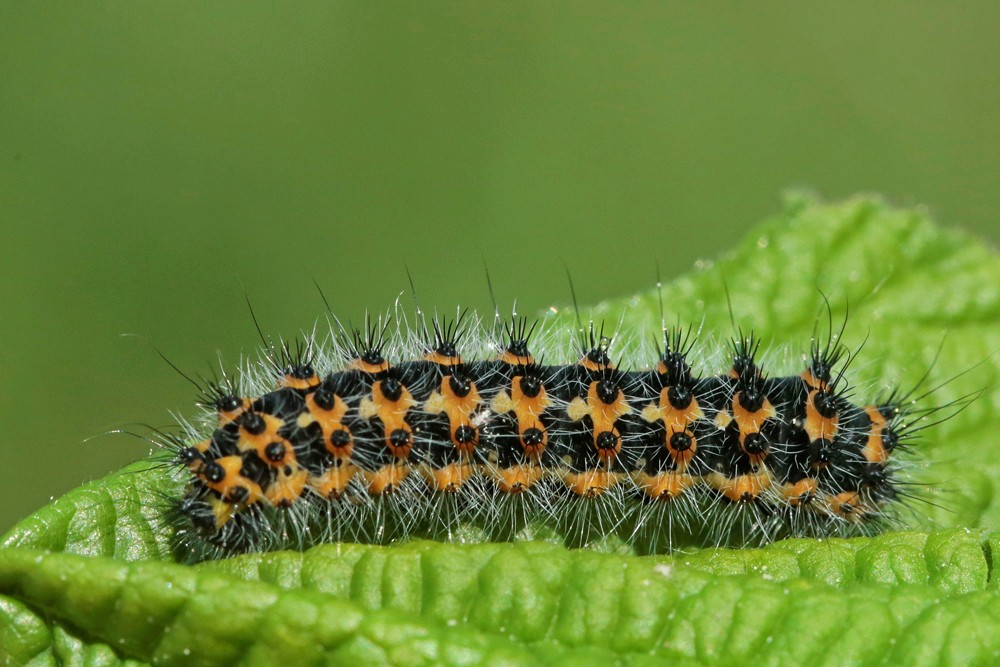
[{"x": 159, "y": 162}]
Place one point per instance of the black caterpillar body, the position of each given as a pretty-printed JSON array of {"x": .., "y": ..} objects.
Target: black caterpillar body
[{"x": 377, "y": 450}]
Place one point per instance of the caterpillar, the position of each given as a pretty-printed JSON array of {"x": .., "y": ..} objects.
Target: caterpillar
[{"x": 458, "y": 430}]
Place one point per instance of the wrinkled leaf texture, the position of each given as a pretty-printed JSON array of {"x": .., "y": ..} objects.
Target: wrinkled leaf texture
[{"x": 90, "y": 578}]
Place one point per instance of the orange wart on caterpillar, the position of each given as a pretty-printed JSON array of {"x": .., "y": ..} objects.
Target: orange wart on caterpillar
[{"x": 512, "y": 430}]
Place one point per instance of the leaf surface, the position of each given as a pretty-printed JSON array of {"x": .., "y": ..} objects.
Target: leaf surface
[{"x": 89, "y": 580}]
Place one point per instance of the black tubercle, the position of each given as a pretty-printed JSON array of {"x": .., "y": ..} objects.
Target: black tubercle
[
  {"x": 465, "y": 434},
  {"x": 744, "y": 358},
  {"x": 448, "y": 335},
  {"x": 368, "y": 344},
  {"x": 460, "y": 384},
  {"x": 596, "y": 345},
  {"x": 213, "y": 472},
  {"x": 681, "y": 441},
  {"x": 680, "y": 396},
  {"x": 227, "y": 403},
  {"x": 826, "y": 404},
  {"x": 890, "y": 439},
  {"x": 275, "y": 452},
  {"x": 518, "y": 348},
  {"x": 532, "y": 437},
  {"x": 599, "y": 356},
  {"x": 372, "y": 356},
  {"x": 531, "y": 385},
  {"x": 392, "y": 388},
  {"x": 677, "y": 344},
  {"x": 324, "y": 398},
  {"x": 253, "y": 423},
  {"x": 826, "y": 354},
  {"x": 751, "y": 397},
  {"x": 300, "y": 372},
  {"x": 188, "y": 455},
  {"x": 606, "y": 440},
  {"x": 755, "y": 443},
  {"x": 608, "y": 391},
  {"x": 518, "y": 334}
]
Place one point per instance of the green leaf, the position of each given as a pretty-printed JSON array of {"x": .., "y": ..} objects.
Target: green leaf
[
  {"x": 121, "y": 515},
  {"x": 171, "y": 614},
  {"x": 919, "y": 297},
  {"x": 528, "y": 603}
]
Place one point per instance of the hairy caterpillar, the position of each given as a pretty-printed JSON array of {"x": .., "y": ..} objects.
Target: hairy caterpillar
[{"x": 459, "y": 430}]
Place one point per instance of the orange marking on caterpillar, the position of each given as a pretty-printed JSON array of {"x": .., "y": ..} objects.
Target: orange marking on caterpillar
[
  {"x": 386, "y": 479},
  {"x": 591, "y": 483},
  {"x": 369, "y": 367},
  {"x": 330, "y": 423},
  {"x": 443, "y": 359},
  {"x": 512, "y": 359},
  {"x": 227, "y": 416},
  {"x": 750, "y": 423},
  {"x": 447, "y": 479},
  {"x": 392, "y": 413},
  {"x": 516, "y": 479},
  {"x": 231, "y": 484},
  {"x": 222, "y": 511},
  {"x": 812, "y": 381},
  {"x": 817, "y": 426},
  {"x": 604, "y": 415},
  {"x": 594, "y": 366},
  {"x": 847, "y": 505},
  {"x": 676, "y": 421},
  {"x": 259, "y": 433},
  {"x": 532, "y": 434},
  {"x": 292, "y": 382},
  {"x": 459, "y": 410},
  {"x": 801, "y": 492},
  {"x": 742, "y": 488},
  {"x": 664, "y": 486},
  {"x": 333, "y": 483},
  {"x": 287, "y": 486},
  {"x": 874, "y": 450}
]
